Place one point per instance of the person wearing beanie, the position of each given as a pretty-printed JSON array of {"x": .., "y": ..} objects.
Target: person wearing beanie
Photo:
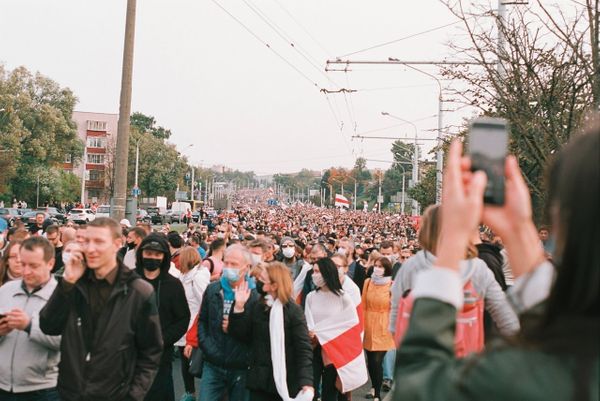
[{"x": 153, "y": 260}]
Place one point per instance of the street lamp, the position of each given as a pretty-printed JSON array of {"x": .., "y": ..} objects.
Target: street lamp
[{"x": 415, "y": 172}]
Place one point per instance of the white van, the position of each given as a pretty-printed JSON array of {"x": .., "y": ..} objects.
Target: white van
[
  {"x": 179, "y": 210},
  {"x": 103, "y": 211}
]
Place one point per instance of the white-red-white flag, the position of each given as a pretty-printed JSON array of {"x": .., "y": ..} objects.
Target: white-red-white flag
[{"x": 341, "y": 201}]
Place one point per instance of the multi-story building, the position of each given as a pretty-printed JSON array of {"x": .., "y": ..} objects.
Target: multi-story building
[{"x": 98, "y": 131}]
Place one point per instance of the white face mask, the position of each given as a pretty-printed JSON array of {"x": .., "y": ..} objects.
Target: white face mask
[
  {"x": 342, "y": 251},
  {"x": 318, "y": 280},
  {"x": 289, "y": 252},
  {"x": 256, "y": 259},
  {"x": 220, "y": 235},
  {"x": 378, "y": 271}
]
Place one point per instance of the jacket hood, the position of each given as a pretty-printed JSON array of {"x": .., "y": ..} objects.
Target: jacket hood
[
  {"x": 425, "y": 258},
  {"x": 161, "y": 239}
]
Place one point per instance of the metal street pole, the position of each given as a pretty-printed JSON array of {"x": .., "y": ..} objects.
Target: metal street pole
[
  {"x": 120, "y": 191},
  {"x": 379, "y": 195},
  {"x": 137, "y": 165},
  {"x": 84, "y": 161},
  {"x": 37, "y": 197}
]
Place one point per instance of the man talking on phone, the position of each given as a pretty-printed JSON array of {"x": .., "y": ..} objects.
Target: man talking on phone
[{"x": 107, "y": 316}]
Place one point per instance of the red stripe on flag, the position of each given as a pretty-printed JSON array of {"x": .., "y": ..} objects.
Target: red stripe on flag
[{"x": 345, "y": 347}]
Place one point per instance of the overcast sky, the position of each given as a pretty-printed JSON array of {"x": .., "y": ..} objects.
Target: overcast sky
[{"x": 214, "y": 84}]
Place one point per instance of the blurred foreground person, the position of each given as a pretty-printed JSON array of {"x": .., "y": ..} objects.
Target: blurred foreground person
[{"x": 556, "y": 355}]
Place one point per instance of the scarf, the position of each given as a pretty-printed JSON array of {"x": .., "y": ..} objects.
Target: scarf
[
  {"x": 277, "y": 334},
  {"x": 378, "y": 280}
]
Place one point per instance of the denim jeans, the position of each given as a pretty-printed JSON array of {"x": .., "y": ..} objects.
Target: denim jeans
[
  {"x": 39, "y": 395},
  {"x": 388, "y": 365},
  {"x": 217, "y": 381}
]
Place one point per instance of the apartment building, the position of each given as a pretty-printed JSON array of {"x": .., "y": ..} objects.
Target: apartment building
[{"x": 98, "y": 131}]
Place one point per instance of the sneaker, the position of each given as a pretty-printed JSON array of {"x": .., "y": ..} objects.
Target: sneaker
[
  {"x": 188, "y": 397},
  {"x": 371, "y": 394},
  {"x": 387, "y": 385}
]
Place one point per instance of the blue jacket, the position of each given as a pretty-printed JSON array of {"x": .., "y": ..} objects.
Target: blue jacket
[{"x": 219, "y": 348}]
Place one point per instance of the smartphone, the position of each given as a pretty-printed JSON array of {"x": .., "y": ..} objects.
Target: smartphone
[{"x": 488, "y": 143}]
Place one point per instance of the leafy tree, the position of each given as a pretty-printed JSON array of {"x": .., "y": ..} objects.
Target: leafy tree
[
  {"x": 147, "y": 124},
  {"x": 37, "y": 132},
  {"x": 424, "y": 191}
]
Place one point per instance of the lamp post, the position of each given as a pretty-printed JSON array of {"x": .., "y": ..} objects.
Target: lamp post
[{"x": 415, "y": 171}]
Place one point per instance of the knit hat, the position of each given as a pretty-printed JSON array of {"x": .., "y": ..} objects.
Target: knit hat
[{"x": 287, "y": 239}]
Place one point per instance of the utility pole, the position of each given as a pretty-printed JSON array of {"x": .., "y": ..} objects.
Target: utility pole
[
  {"x": 83, "y": 169},
  {"x": 379, "y": 194},
  {"x": 137, "y": 166},
  {"x": 37, "y": 192},
  {"x": 120, "y": 191}
]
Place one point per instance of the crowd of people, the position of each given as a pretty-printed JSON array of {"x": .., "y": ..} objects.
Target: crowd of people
[{"x": 467, "y": 302}]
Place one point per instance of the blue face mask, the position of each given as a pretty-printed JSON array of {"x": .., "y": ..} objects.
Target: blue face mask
[{"x": 230, "y": 274}]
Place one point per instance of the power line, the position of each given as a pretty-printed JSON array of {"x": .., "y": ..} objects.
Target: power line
[
  {"x": 401, "y": 39},
  {"x": 279, "y": 3},
  {"x": 265, "y": 43}
]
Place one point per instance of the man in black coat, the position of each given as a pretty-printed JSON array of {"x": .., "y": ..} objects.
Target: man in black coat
[
  {"x": 107, "y": 316},
  {"x": 153, "y": 263}
]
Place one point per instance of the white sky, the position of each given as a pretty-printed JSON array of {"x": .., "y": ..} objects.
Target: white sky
[{"x": 213, "y": 84}]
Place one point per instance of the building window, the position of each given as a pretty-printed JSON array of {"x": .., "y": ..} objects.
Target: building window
[
  {"x": 95, "y": 142},
  {"x": 68, "y": 158},
  {"x": 96, "y": 125},
  {"x": 96, "y": 175},
  {"x": 95, "y": 159}
]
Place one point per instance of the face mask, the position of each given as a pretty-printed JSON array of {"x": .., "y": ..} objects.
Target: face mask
[
  {"x": 260, "y": 288},
  {"x": 66, "y": 257},
  {"x": 151, "y": 264},
  {"x": 232, "y": 275},
  {"x": 289, "y": 252},
  {"x": 221, "y": 235},
  {"x": 318, "y": 280},
  {"x": 256, "y": 259},
  {"x": 342, "y": 251},
  {"x": 130, "y": 245},
  {"x": 378, "y": 271}
]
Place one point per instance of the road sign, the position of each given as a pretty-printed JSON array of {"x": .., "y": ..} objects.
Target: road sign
[
  {"x": 181, "y": 195},
  {"x": 380, "y": 199},
  {"x": 136, "y": 191}
]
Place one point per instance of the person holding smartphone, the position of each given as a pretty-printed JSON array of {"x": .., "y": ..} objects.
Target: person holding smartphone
[
  {"x": 556, "y": 355},
  {"x": 107, "y": 316}
]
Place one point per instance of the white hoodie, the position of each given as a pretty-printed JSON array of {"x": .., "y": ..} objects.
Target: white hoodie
[{"x": 483, "y": 280}]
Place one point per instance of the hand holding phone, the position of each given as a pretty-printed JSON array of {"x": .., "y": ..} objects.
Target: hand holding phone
[
  {"x": 75, "y": 267},
  {"x": 488, "y": 142}
]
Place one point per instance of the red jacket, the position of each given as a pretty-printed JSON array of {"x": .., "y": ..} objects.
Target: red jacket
[{"x": 191, "y": 337}]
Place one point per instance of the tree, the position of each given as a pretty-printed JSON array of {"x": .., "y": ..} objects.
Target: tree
[
  {"x": 37, "y": 132},
  {"x": 424, "y": 191},
  {"x": 361, "y": 174},
  {"x": 544, "y": 80},
  {"x": 147, "y": 124}
]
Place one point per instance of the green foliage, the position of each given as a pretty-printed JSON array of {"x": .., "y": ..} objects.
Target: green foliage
[
  {"x": 37, "y": 132},
  {"x": 424, "y": 191},
  {"x": 147, "y": 124}
]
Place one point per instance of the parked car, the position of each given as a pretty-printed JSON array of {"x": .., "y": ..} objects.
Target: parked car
[
  {"x": 176, "y": 217},
  {"x": 103, "y": 211},
  {"x": 196, "y": 216},
  {"x": 11, "y": 215},
  {"x": 142, "y": 215},
  {"x": 159, "y": 215},
  {"x": 81, "y": 215},
  {"x": 29, "y": 217},
  {"x": 54, "y": 212}
]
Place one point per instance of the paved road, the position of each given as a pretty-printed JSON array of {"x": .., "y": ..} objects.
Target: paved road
[{"x": 179, "y": 389}]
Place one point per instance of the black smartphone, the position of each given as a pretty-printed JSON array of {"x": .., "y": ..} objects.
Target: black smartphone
[{"x": 488, "y": 143}]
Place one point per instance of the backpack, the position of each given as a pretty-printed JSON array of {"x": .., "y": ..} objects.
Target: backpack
[
  {"x": 211, "y": 263},
  {"x": 469, "y": 337}
]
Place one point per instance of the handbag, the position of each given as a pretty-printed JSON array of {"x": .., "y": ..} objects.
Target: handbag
[{"x": 196, "y": 363}]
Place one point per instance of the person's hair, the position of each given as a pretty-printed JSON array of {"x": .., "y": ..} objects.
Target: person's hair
[
  {"x": 175, "y": 239},
  {"x": 573, "y": 199},
  {"x": 216, "y": 245},
  {"x": 106, "y": 222},
  {"x": 195, "y": 239},
  {"x": 429, "y": 233},
  {"x": 242, "y": 249},
  {"x": 258, "y": 243},
  {"x": 341, "y": 257},
  {"x": 53, "y": 229},
  {"x": 386, "y": 244},
  {"x": 139, "y": 232},
  {"x": 4, "y": 260},
  {"x": 386, "y": 264},
  {"x": 320, "y": 247},
  {"x": 188, "y": 258},
  {"x": 255, "y": 271},
  {"x": 279, "y": 274},
  {"x": 330, "y": 274},
  {"x": 16, "y": 234},
  {"x": 33, "y": 243}
]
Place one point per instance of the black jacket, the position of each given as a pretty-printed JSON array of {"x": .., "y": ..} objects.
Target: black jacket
[
  {"x": 360, "y": 275},
  {"x": 119, "y": 359},
  {"x": 252, "y": 327},
  {"x": 219, "y": 348},
  {"x": 173, "y": 308}
]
